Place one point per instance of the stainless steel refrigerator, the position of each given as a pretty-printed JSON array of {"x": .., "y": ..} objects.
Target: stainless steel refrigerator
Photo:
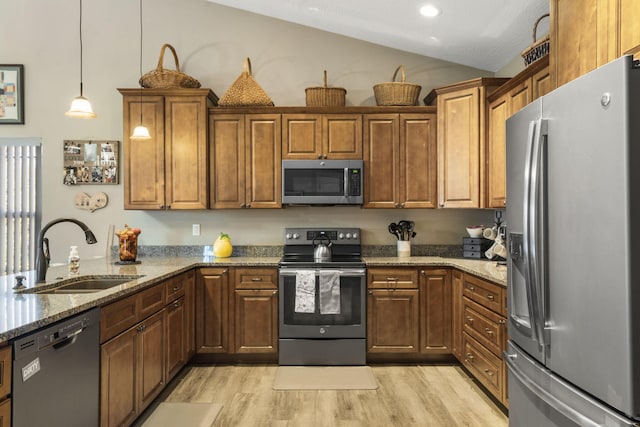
[{"x": 573, "y": 215}]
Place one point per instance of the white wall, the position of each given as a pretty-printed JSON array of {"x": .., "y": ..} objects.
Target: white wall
[{"x": 212, "y": 42}]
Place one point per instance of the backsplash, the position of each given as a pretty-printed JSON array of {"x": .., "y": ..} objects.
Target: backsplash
[{"x": 449, "y": 251}]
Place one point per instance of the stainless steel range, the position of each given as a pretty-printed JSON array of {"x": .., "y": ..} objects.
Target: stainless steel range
[{"x": 322, "y": 304}]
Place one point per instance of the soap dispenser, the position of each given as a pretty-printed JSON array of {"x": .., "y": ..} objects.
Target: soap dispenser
[{"x": 74, "y": 261}]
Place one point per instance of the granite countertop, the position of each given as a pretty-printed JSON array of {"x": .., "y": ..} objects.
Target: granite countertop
[{"x": 21, "y": 313}]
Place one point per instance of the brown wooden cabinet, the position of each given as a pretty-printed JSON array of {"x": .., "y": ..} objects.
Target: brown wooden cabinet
[
  {"x": 180, "y": 301},
  {"x": 435, "y": 311},
  {"x": 321, "y": 136},
  {"x": 169, "y": 171},
  {"x": 256, "y": 310},
  {"x": 132, "y": 371},
  {"x": 212, "y": 311},
  {"x": 245, "y": 160},
  {"x": 145, "y": 340},
  {"x": 505, "y": 101},
  {"x": 5, "y": 386},
  {"x": 586, "y": 34},
  {"x": 457, "y": 279},
  {"x": 461, "y": 141},
  {"x": 484, "y": 333},
  {"x": 393, "y": 310},
  {"x": 400, "y": 160}
]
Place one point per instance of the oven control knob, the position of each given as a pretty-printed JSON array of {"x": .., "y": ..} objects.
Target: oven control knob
[
  {"x": 348, "y": 235},
  {"x": 296, "y": 236},
  {"x": 341, "y": 236},
  {"x": 323, "y": 330},
  {"x": 355, "y": 235},
  {"x": 288, "y": 236}
]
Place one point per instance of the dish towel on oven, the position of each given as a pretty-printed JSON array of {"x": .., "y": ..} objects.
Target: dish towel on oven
[
  {"x": 305, "y": 291},
  {"x": 329, "y": 292}
]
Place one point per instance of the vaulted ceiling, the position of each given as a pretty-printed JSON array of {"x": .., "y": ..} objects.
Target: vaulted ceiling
[{"x": 485, "y": 34}]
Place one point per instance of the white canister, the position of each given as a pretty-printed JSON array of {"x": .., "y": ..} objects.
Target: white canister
[{"x": 404, "y": 248}]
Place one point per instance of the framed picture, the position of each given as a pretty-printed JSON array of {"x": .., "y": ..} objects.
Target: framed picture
[
  {"x": 90, "y": 162},
  {"x": 12, "y": 94}
]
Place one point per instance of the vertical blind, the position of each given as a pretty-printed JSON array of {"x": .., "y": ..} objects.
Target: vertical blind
[{"x": 20, "y": 199}]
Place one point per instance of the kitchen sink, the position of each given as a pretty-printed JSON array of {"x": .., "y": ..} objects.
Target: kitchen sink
[{"x": 81, "y": 285}]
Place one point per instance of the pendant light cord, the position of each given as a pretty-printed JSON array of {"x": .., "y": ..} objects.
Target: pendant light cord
[
  {"x": 140, "y": 82},
  {"x": 81, "y": 48}
]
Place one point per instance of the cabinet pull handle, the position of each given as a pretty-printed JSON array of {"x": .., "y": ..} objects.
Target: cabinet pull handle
[
  {"x": 471, "y": 288},
  {"x": 320, "y": 156},
  {"x": 490, "y": 297},
  {"x": 488, "y": 331},
  {"x": 256, "y": 279},
  {"x": 470, "y": 357},
  {"x": 392, "y": 279},
  {"x": 274, "y": 292},
  {"x": 168, "y": 206},
  {"x": 469, "y": 319},
  {"x": 502, "y": 321},
  {"x": 489, "y": 372},
  {"x": 177, "y": 304},
  {"x": 175, "y": 289}
]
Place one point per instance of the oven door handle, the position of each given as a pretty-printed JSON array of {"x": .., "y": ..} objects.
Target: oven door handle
[{"x": 356, "y": 272}]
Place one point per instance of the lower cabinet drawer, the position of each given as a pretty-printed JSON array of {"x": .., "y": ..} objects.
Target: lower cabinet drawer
[
  {"x": 484, "y": 325},
  {"x": 484, "y": 365}
]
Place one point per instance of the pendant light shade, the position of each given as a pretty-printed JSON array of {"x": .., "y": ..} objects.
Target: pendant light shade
[
  {"x": 140, "y": 132},
  {"x": 80, "y": 106}
]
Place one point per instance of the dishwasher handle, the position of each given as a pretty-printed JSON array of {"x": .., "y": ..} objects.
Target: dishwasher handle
[{"x": 58, "y": 343}]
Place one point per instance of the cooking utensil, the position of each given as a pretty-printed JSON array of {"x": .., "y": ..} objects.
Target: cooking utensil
[
  {"x": 322, "y": 252},
  {"x": 393, "y": 229}
]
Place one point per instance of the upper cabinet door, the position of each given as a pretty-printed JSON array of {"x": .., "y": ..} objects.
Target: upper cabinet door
[
  {"x": 227, "y": 161},
  {"x": 263, "y": 161},
  {"x": 186, "y": 152},
  {"x": 630, "y": 27},
  {"x": 459, "y": 148},
  {"x": 143, "y": 163},
  {"x": 418, "y": 161},
  {"x": 302, "y": 136},
  {"x": 342, "y": 136},
  {"x": 381, "y": 160}
]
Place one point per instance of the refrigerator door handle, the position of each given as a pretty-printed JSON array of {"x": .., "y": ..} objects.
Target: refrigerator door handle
[
  {"x": 551, "y": 400},
  {"x": 526, "y": 235},
  {"x": 536, "y": 229}
]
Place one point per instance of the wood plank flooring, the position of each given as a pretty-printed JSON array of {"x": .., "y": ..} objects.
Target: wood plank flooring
[{"x": 433, "y": 395}]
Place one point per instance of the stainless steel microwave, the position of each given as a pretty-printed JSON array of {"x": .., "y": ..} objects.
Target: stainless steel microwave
[{"x": 322, "y": 182}]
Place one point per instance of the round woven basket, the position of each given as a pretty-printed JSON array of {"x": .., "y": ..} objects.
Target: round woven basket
[
  {"x": 397, "y": 93},
  {"x": 325, "y": 96}
]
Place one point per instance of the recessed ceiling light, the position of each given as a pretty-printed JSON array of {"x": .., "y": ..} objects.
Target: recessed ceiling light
[{"x": 429, "y": 11}]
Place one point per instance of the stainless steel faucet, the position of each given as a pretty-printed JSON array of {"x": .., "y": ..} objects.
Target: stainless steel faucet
[{"x": 42, "y": 245}]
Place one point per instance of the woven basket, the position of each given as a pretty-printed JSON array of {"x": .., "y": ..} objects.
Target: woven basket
[
  {"x": 325, "y": 96},
  {"x": 539, "y": 48},
  {"x": 161, "y": 78},
  {"x": 397, "y": 93},
  {"x": 245, "y": 91}
]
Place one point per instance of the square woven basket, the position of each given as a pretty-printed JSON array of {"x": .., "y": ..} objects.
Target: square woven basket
[{"x": 325, "y": 96}]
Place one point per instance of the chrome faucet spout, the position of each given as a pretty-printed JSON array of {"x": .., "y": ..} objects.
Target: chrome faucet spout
[{"x": 42, "y": 254}]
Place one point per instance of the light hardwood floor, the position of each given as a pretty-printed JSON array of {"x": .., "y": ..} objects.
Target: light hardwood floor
[{"x": 433, "y": 395}]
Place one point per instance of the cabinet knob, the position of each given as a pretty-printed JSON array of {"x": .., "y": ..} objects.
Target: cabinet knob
[
  {"x": 471, "y": 288},
  {"x": 469, "y": 319},
  {"x": 502, "y": 321},
  {"x": 488, "y": 331},
  {"x": 256, "y": 279},
  {"x": 248, "y": 205},
  {"x": 489, "y": 372},
  {"x": 402, "y": 205},
  {"x": 175, "y": 289},
  {"x": 490, "y": 297},
  {"x": 274, "y": 292},
  {"x": 319, "y": 156},
  {"x": 397, "y": 205},
  {"x": 168, "y": 206},
  {"x": 441, "y": 205}
]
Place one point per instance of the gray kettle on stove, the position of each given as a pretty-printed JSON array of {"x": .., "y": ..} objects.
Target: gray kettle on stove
[{"x": 322, "y": 252}]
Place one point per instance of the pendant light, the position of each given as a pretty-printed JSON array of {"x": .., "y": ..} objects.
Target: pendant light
[
  {"x": 140, "y": 132},
  {"x": 80, "y": 106}
]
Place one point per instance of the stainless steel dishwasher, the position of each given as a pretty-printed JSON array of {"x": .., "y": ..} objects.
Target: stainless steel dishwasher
[{"x": 56, "y": 374}]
